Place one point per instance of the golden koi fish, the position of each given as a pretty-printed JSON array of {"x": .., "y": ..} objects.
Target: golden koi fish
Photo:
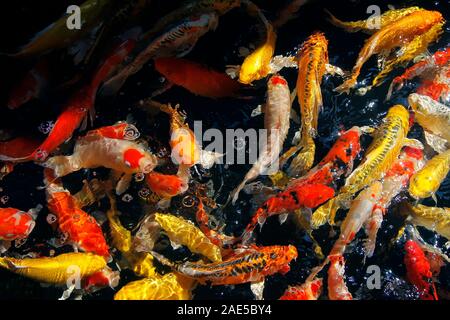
[
  {"x": 312, "y": 61},
  {"x": 184, "y": 232},
  {"x": 388, "y": 140},
  {"x": 55, "y": 270},
  {"x": 412, "y": 33},
  {"x": 171, "y": 286},
  {"x": 372, "y": 25},
  {"x": 427, "y": 181},
  {"x": 433, "y": 218}
]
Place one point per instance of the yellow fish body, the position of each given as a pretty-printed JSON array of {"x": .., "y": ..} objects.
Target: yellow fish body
[
  {"x": 433, "y": 218},
  {"x": 55, "y": 270},
  {"x": 388, "y": 140},
  {"x": 427, "y": 181},
  {"x": 186, "y": 233},
  {"x": 171, "y": 286}
]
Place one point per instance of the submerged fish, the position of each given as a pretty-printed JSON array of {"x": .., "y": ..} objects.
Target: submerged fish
[
  {"x": 250, "y": 265},
  {"x": 412, "y": 33},
  {"x": 276, "y": 122},
  {"x": 17, "y": 224},
  {"x": 310, "y": 290},
  {"x": 433, "y": 218}
]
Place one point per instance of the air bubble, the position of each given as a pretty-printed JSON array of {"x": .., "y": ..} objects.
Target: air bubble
[
  {"x": 51, "y": 218},
  {"x": 4, "y": 199},
  {"x": 127, "y": 198},
  {"x": 46, "y": 127},
  {"x": 144, "y": 193},
  {"x": 138, "y": 177}
]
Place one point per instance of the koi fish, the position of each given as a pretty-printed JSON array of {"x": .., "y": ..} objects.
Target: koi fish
[
  {"x": 17, "y": 224},
  {"x": 314, "y": 188},
  {"x": 101, "y": 279},
  {"x": 276, "y": 122},
  {"x": 312, "y": 61},
  {"x": 55, "y": 270},
  {"x": 388, "y": 141},
  {"x": 427, "y": 181},
  {"x": 250, "y": 265},
  {"x": 95, "y": 150},
  {"x": 176, "y": 41},
  {"x": 288, "y": 13},
  {"x": 57, "y": 35},
  {"x": 121, "y": 131},
  {"x": 197, "y": 78},
  {"x": 428, "y": 68},
  {"x": 337, "y": 289},
  {"x": 170, "y": 286},
  {"x": 257, "y": 65},
  {"x": 369, "y": 26},
  {"x": 412, "y": 32},
  {"x": 30, "y": 87},
  {"x": 418, "y": 270},
  {"x": 78, "y": 106},
  {"x": 81, "y": 229},
  {"x": 17, "y": 148},
  {"x": 167, "y": 186},
  {"x": 310, "y": 290},
  {"x": 434, "y": 117},
  {"x": 183, "y": 232},
  {"x": 432, "y": 218}
]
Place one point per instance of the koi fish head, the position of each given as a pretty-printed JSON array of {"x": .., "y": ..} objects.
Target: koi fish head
[
  {"x": 277, "y": 80},
  {"x": 140, "y": 161},
  {"x": 15, "y": 224},
  {"x": 432, "y": 17},
  {"x": 400, "y": 112},
  {"x": 102, "y": 279},
  {"x": 166, "y": 186}
]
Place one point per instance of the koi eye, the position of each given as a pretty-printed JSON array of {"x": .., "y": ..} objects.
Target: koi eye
[{"x": 131, "y": 132}]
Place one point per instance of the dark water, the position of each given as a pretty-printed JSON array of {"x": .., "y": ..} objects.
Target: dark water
[{"x": 216, "y": 49}]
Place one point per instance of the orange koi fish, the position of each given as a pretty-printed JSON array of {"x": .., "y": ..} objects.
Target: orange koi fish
[
  {"x": 30, "y": 86},
  {"x": 79, "y": 105},
  {"x": 167, "y": 186},
  {"x": 412, "y": 32},
  {"x": 250, "y": 265},
  {"x": 310, "y": 290},
  {"x": 418, "y": 270},
  {"x": 316, "y": 187},
  {"x": 81, "y": 229},
  {"x": 197, "y": 78},
  {"x": 96, "y": 149},
  {"x": 312, "y": 61},
  {"x": 17, "y": 224},
  {"x": 428, "y": 69},
  {"x": 337, "y": 289}
]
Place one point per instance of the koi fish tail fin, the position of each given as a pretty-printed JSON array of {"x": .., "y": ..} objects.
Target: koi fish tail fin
[
  {"x": 338, "y": 23},
  {"x": 325, "y": 213},
  {"x": 304, "y": 159},
  {"x": 347, "y": 85},
  {"x": 61, "y": 165}
]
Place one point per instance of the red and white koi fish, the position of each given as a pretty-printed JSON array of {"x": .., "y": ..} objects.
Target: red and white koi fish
[
  {"x": 337, "y": 289},
  {"x": 277, "y": 112},
  {"x": 310, "y": 290},
  {"x": 16, "y": 224}
]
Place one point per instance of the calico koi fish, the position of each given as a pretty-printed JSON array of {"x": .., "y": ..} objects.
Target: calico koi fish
[
  {"x": 418, "y": 270},
  {"x": 432, "y": 218},
  {"x": 197, "y": 78},
  {"x": 276, "y": 122},
  {"x": 428, "y": 68},
  {"x": 427, "y": 181},
  {"x": 411, "y": 32},
  {"x": 388, "y": 141},
  {"x": 17, "y": 224},
  {"x": 175, "y": 41},
  {"x": 184, "y": 232},
  {"x": 97, "y": 150},
  {"x": 434, "y": 117},
  {"x": 314, "y": 188},
  {"x": 170, "y": 286},
  {"x": 310, "y": 290},
  {"x": 312, "y": 61},
  {"x": 81, "y": 229},
  {"x": 55, "y": 270},
  {"x": 250, "y": 265}
]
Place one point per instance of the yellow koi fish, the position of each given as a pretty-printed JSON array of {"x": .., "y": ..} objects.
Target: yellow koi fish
[
  {"x": 427, "y": 181},
  {"x": 388, "y": 140},
  {"x": 181, "y": 231},
  {"x": 171, "y": 286},
  {"x": 55, "y": 270},
  {"x": 432, "y": 218}
]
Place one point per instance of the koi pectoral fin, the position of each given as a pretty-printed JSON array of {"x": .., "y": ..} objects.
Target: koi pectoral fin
[{"x": 258, "y": 289}]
